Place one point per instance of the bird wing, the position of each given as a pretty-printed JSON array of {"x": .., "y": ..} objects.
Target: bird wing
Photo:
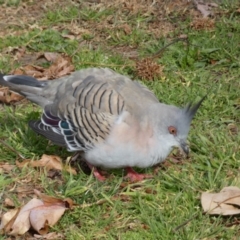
[{"x": 87, "y": 104}]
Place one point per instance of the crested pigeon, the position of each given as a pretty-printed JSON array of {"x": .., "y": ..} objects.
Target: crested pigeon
[{"x": 114, "y": 121}]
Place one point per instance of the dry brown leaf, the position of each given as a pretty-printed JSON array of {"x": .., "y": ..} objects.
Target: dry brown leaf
[
  {"x": 69, "y": 36},
  {"x": 47, "y": 161},
  {"x": 61, "y": 66},
  {"x": 51, "y": 56},
  {"x": 44, "y": 216},
  {"x": 226, "y": 202},
  {"x": 203, "y": 24},
  {"x": 18, "y": 71},
  {"x": 50, "y": 236},
  {"x": 47, "y": 215},
  {"x": 24, "y": 163},
  {"x": 14, "y": 97},
  {"x": 8, "y": 202},
  {"x": 30, "y": 70},
  {"x": 6, "y": 167},
  {"x": 38, "y": 214},
  {"x": 18, "y": 52},
  {"x": 6, "y": 219},
  {"x": 48, "y": 200},
  {"x": 17, "y": 222},
  {"x": 66, "y": 71},
  {"x": 22, "y": 223},
  {"x": 205, "y": 8},
  {"x": 9, "y": 97},
  {"x": 127, "y": 29},
  {"x": 233, "y": 129}
]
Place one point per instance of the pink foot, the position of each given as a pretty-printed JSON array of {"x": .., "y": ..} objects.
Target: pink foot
[
  {"x": 134, "y": 176},
  {"x": 96, "y": 173}
]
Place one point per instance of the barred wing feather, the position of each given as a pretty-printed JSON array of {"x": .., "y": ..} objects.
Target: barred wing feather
[{"x": 87, "y": 103}]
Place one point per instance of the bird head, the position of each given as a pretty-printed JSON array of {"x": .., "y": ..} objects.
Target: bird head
[{"x": 174, "y": 125}]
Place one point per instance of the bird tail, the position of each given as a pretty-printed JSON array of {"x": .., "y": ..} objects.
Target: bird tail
[{"x": 27, "y": 86}]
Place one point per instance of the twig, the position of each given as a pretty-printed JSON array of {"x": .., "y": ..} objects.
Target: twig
[
  {"x": 28, "y": 43},
  {"x": 184, "y": 223},
  {"x": 208, "y": 212},
  {"x": 160, "y": 51},
  {"x": 108, "y": 65},
  {"x": 78, "y": 48},
  {"x": 12, "y": 149},
  {"x": 99, "y": 202}
]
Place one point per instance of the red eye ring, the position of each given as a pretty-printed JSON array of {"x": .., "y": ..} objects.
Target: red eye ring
[{"x": 172, "y": 130}]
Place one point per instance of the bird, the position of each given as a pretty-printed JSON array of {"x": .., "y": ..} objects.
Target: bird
[{"x": 113, "y": 121}]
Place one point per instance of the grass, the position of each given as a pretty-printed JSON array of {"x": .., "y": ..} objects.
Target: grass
[{"x": 154, "y": 208}]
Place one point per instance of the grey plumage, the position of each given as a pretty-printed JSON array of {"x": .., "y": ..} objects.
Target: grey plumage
[{"x": 117, "y": 122}]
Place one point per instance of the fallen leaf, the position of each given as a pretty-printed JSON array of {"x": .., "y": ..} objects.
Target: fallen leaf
[
  {"x": 6, "y": 219},
  {"x": 24, "y": 163},
  {"x": 30, "y": 70},
  {"x": 205, "y": 23},
  {"x": 226, "y": 202},
  {"x": 15, "y": 97},
  {"x": 233, "y": 129},
  {"x": 48, "y": 200},
  {"x": 16, "y": 221},
  {"x": 66, "y": 70},
  {"x": 7, "y": 96},
  {"x": 61, "y": 65},
  {"x": 8, "y": 202},
  {"x": 53, "y": 173},
  {"x": 22, "y": 223},
  {"x": 127, "y": 29},
  {"x": 51, "y": 56},
  {"x": 18, "y": 71},
  {"x": 49, "y": 236},
  {"x": 205, "y": 8},
  {"x": 47, "y": 161},
  {"x": 69, "y": 36},
  {"x": 6, "y": 167},
  {"x": 48, "y": 215},
  {"x": 16, "y": 51},
  {"x": 38, "y": 214},
  {"x": 44, "y": 216}
]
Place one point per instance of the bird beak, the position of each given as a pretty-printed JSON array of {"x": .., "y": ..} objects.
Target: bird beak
[{"x": 184, "y": 147}]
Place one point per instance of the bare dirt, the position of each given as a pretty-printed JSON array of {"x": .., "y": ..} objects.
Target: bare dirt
[
  {"x": 164, "y": 16},
  {"x": 161, "y": 20}
]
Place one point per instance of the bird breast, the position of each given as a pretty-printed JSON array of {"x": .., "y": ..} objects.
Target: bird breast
[{"x": 129, "y": 144}]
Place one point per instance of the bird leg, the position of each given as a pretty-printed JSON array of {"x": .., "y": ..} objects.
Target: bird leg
[
  {"x": 134, "y": 176},
  {"x": 85, "y": 165},
  {"x": 96, "y": 173},
  {"x": 75, "y": 156}
]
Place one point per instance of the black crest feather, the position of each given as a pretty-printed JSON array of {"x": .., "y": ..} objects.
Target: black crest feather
[{"x": 191, "y": 108}]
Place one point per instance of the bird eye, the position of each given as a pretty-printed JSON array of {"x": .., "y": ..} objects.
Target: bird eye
[{"x": 172, "y": 130}]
